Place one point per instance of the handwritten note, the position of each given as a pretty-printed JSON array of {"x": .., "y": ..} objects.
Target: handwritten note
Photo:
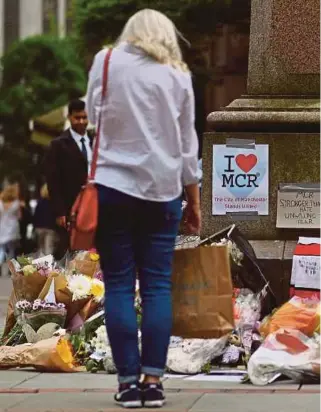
[
  {"x": 306, "y": 272},
  {"x": 298, "y": 210}
]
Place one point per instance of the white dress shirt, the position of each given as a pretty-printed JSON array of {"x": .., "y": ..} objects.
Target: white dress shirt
[
  {"x": 148, "y": 145},
  {"x": 9, "y": 222},
  {"x": 77, "y": 138}
]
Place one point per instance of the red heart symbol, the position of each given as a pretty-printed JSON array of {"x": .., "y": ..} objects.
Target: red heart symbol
[{"x": 246, "y": 163}]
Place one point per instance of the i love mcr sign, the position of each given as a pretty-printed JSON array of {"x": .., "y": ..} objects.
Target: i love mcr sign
[{"x": 240, "y": 180}]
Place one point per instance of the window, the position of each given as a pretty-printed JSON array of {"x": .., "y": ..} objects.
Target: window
[
  {"x": 49, "y": 16},
  {"x": 11, "y": 22}
]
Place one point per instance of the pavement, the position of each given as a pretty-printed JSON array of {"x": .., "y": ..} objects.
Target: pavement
[
  {"x": 32, "y": 391},
  {"x": 28, "y": 390}
]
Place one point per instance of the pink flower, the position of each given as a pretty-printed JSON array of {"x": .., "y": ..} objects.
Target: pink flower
[{"x": 99, "y": 275}]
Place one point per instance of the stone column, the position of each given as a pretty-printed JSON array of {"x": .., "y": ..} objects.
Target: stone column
[
  {"x": 281, "y": 109},
  {"x": 30, "y": 18}
]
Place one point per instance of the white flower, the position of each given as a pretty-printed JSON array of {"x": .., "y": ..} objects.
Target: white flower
[
  {"x": 79, "y": 286},
  {"x": 100, "y": 342},
  {"x": 29, "y": 270},
  {"x": 23, "y": 305}
]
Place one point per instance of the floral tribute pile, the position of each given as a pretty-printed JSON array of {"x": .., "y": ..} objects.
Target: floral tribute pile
[
  {"x": 56, "y": 322},
  {"x": 45, "y": 292}
]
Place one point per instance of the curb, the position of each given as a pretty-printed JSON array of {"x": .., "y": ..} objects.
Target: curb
[{"x": 13, "y": 391}]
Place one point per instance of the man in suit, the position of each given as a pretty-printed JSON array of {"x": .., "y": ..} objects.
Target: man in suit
[{"x": 67, "y": 164}]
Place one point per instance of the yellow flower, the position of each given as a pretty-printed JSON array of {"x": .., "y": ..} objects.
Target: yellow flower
[
  {"x": 94, "y": 257},
  {"x": 65, "y": 352},
  {"x": 97, "y": 289},
  {"x": 29, "y": 270}
]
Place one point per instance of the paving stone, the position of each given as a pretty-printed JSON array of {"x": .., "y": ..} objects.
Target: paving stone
[
  {"x": 307, "y": 387},
  {"x": 255, "y": 403},
  {"x": 220, "y": 385},
  {"x": 10, "y": 401},
  {"x": 94, "y": 402},
  {"x": 75, "y": 380},
  {"x": 13, "y": 378}
]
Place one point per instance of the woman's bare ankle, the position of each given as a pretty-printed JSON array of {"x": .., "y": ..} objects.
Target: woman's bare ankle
[{"x": 151, "y": 379}]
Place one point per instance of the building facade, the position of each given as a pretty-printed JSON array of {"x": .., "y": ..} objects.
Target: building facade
[{"x": 22, "y": 18}]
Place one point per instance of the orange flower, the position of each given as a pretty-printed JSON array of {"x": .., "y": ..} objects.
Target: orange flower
[{"x": 65, "y": 352}]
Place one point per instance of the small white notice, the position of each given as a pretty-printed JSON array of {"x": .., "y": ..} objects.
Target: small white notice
[{"x": 298, "y": 207}]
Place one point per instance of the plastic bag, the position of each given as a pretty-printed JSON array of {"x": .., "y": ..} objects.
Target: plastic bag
[
  {"x": 188, "y": 356},
  {"x": 285, "y": 352},
  {"x": 247, "y": 312},
  {"x": 298, "y": 313}
]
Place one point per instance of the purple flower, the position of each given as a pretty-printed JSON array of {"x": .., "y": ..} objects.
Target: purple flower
[{"x": 99, "y": 275}]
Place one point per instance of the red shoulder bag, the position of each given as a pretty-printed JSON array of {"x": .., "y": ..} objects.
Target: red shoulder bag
[{"x": 84, "y": 213}]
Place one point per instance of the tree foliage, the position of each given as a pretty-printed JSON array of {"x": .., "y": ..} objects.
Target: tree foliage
[
  {"x": 98, "y": 22},
  {"x": 40, "y": 73}
]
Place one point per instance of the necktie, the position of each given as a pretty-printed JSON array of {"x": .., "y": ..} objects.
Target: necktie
[{"x": 83, "y": 148}]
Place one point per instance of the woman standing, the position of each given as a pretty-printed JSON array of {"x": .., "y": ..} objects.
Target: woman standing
[
  {"x": 10, "y": 213},
  {"x": 147, "y": 157}
]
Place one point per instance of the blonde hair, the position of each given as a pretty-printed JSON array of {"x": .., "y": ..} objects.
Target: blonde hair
[
  {"x": 157, "y": 35},
  {"x": 10, "y": 193},
  {"x": 44, "y": 193}
]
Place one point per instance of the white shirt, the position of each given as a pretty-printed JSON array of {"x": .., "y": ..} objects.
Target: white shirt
[
  {"x": 9, "y": 222},
  {"x": 148, "y": 145},
  {"x": 77, "y": 138}
]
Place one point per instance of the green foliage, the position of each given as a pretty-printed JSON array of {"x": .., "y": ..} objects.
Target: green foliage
[
  {"x": 98, "y": 22},
  {"x": 206, "y": 369},
  {"x": 40, "y": 73},
  {"x": 16, "y": 157}
]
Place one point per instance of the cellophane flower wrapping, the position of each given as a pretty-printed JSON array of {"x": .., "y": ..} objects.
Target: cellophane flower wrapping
[
  {"x": 50, "y": 355},
  {"x": 29, "y": 275},
  {"x": 247, "y": 312},
  {"x": 83, "y": 262},
  {"x": 38, "y": 313}
]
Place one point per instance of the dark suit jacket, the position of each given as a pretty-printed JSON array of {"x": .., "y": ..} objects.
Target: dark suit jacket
[{"x": 66, "y": 172}]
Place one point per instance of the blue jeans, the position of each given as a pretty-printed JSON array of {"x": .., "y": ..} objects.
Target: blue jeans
[{"x": 137, "y": 237}]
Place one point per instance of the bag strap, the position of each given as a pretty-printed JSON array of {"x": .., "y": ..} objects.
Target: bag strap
[{"x": 93, "y": 168}]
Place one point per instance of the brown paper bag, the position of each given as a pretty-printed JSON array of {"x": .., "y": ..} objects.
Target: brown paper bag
[
  {"x": 26, "y": 287},
  {"x": 202, "y": 293}
]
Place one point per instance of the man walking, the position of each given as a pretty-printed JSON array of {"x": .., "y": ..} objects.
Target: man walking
[{"x": 67, "y": 163}]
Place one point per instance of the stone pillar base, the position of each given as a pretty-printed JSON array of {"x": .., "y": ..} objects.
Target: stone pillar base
[{"x": 290, "y": 126}]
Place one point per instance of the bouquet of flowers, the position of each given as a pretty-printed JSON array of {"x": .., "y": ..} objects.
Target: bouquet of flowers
[
  {"x": 38, "y": 313},
  {"x": 29, "y": 275},
  {"x": 81, "y": 295},
  {"x": 52, "y": 355},
  {"x": 85, "y": 263},
  {"x": 82, "y": 286}
]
